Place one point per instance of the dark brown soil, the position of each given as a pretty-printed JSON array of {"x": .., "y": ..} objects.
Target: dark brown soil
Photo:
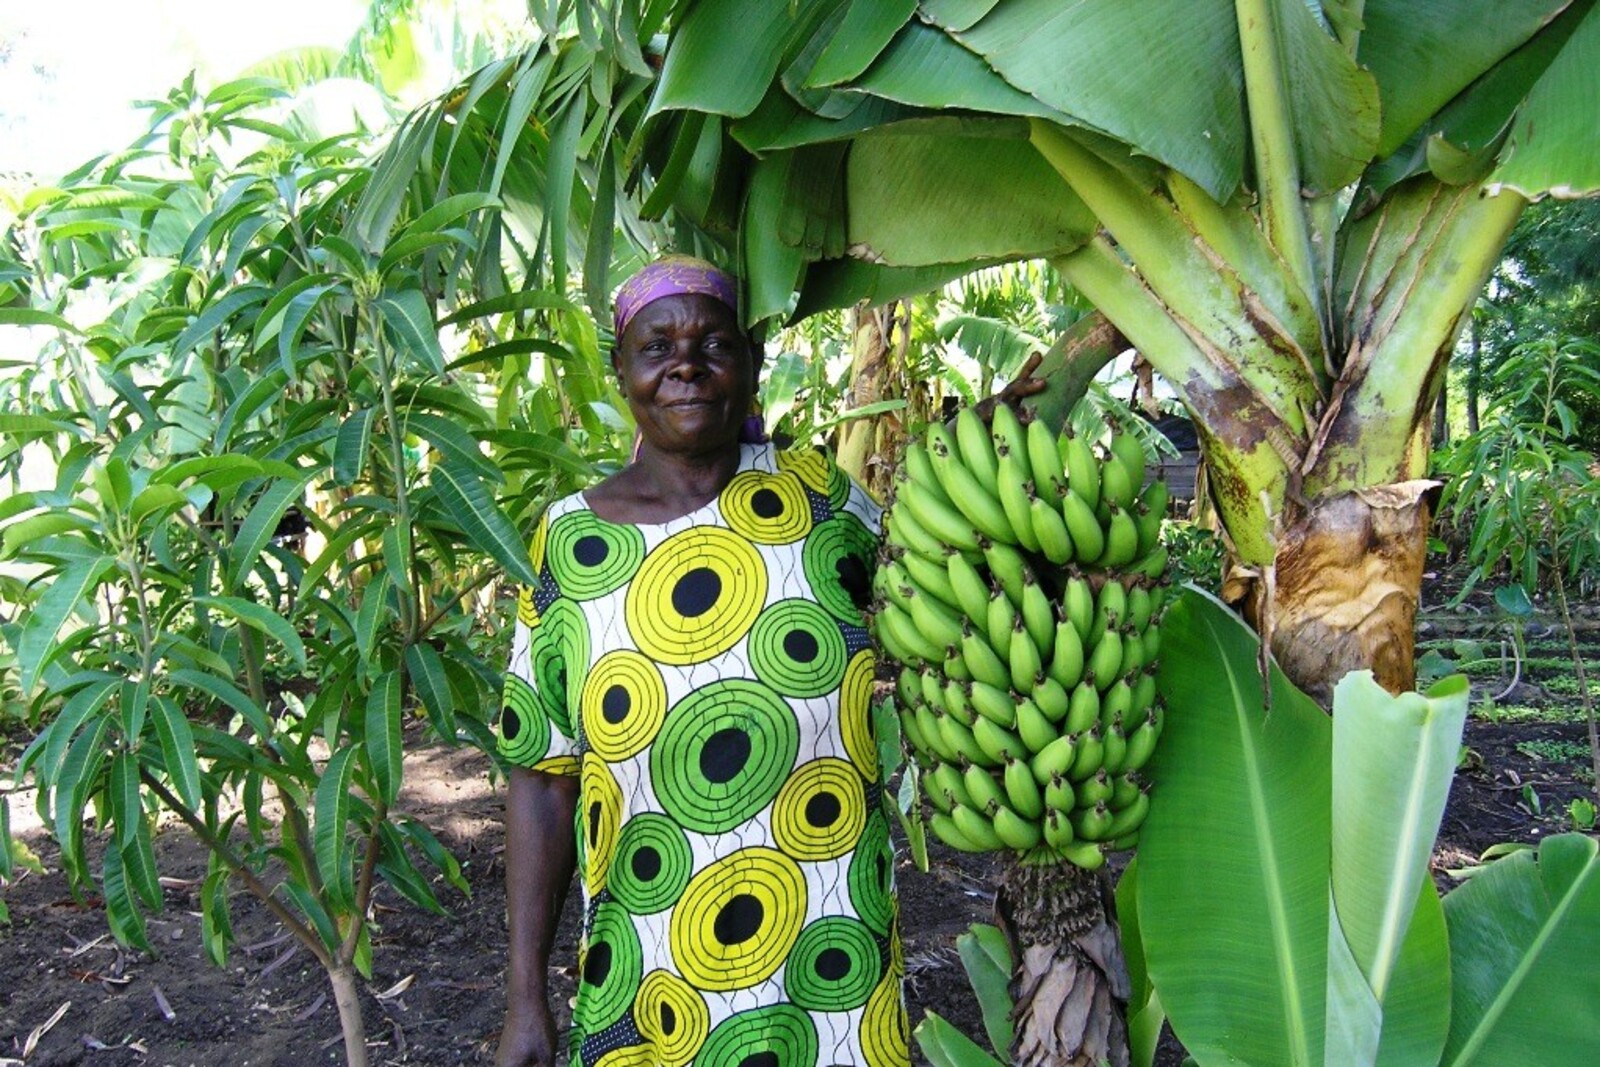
[{"x": 435, "y": 997}]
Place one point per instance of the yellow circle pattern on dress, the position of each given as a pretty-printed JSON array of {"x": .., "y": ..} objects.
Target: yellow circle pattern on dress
[
  {"x": 884, "y": 1031},
  {"x": 820, "y": 811},
  {"x": 536, "y": 549},
  {"x": 527, "y": 610},
  {"x": 600, "y": 817},
  {"x": 769, "y": 509},
  {"x": 629, "y": 1056},
  {"x": 738, "y": 919},
  {"x": 855, "y": 714},
  {"x": 809, "y": 466},
  {"x": 623, "y": 705},
  {"x": 672, "y": 1016},
  {"x": 696, "y": 595}
]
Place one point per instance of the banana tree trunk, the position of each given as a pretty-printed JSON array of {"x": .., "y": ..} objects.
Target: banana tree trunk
[{"x": 1070, "y": 985}]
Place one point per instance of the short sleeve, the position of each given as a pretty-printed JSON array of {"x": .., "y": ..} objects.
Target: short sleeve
[{"x": 536, "y": 728}]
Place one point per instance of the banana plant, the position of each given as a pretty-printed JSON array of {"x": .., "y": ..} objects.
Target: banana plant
[{"x": 1282, "y": 909}]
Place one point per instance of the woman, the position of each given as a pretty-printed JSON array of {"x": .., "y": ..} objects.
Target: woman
[{"x": 690, "y": 683}]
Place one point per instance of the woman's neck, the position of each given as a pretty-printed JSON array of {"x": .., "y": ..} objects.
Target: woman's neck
[{"x": 661, "y": 486}]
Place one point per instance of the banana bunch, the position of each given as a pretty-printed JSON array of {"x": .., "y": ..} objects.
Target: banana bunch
[{"x": 1020, "y": 591}]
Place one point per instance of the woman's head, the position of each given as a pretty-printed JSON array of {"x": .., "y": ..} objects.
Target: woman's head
[{"x": 684, "y": 362}]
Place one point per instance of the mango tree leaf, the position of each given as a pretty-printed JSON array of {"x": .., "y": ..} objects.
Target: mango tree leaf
[
  {"x": 177, "y": 750},
  {"x": 350, "y": 447},
  {"x": 466, "y": 499},
  {"x": 382, "y": 748},
  {"x": 259, "y": 526},
  {"x": 1233, "y": 860},
  {"x": 410, "y": 320},
  {"x": 1524, "y": 937},
  {"x": 426, "y": 672},
  {"x": 329, "y": 838},
  {"x": 51, "y": 611},
  {"x": 263, "y": 619},
  {"x": 35, "y": 317}
]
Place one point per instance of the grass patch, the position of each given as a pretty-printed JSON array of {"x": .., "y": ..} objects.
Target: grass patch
[
  {"x": 1488, "y": 711},
  {"x": 1567, "y": 685},
  {"x": 1554, "y": 751}
]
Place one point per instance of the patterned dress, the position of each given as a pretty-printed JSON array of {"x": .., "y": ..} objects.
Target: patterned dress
[{"x": 709, "y": 681}]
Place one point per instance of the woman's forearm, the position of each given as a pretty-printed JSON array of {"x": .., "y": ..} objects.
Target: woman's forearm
[{"x": 539, "y": 857}]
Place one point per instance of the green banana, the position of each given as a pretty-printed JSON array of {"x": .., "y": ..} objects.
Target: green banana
[
  {"x": 1105, "y": 659},
  {"x": 1050, "y": 530},
  {"x": 1078, "y": 605},
  {"x": 929, "y": 688},
  {"x": 996, "y": 742},
  {"x": 1058, "y": 832},
  {"x": 939, "y": 517},
  {"x": 982, "y": 787},
  {"x": 1023, "y": 659},
  {"x": 994, "y": 704},
  {"x": 999, "y": 619},
  {"x": 1059, "y": 794},
  {"x": 900, "y": 638},
  {"x": 1011, "y": 485},
  {"x": 971, "y": 591},
  {"x": 1009, "y": 569},
  {"x": 1152, "y": 566},
  {"x": 1126, "y": 450},
  {"x": 947, "y": 778},
  {"x": 1038, "y": 616},
  {"x": 1022, "y": 790},
  {"x": 1016, "y": 831},
  {"x": 1091, "y": 824},
  {"x": 1129, "y": 819},
  {"x": 1091, "y": 747},
  {"x": 1055, "y": 759},
  {"x": 977, "y": 447},
  {"x": 931, "y": 577},
  {"x": 1116, "y": 748},
  {"x": 1066, "y": 655},
  {"x": 1124, "y": 789},
  {"x": 937, "y": 623},
  {"x": 918, "y": 468},
  {"x": 1044, "y": 460},
  {"x": 908, "y": 686},
  {"x": 1152, "y": 647},
  {"x": 970, "y": 496},
  {"x": 981, "y": 659},
  {"x": 1132, "y": 652},
  {"x": 1110, "y": 606},
  {"x": 962, "y": 741},
  {"x": 1123, "y": 843},
  {"x": 945, "y": 829},
  {"x": 1083, "y": 710},
  {"x": 904, "y": 531},
  {"x": 1122, "y": 539},
  {"x": 1006, "y": 429},
  {"x": 1141, "y": 744},
  {"x": 1033, "y": 727},
  {"x": 1148, "y": 521},
  {"x": 928, "y": 726},
  {"x": 1144, "y": 696},
  {"x": 1090, "y": 855},
  {"x": 1139, "y": 607},
  {"x": 912, "y": 732},
  {"x": 955, "y": 668},
  {"x": 1096, "y": 789},
  {"x": 1052, "y": 697},
  {"x": 890, "y": 583},
  {"x": 1088, "y": 539},
  {"x": 940, "y": 799},
  {"x": 1116, "y": 703},
  {"x": 1116, "y": 483},
  {"x": 978, "y": 828},
  {"x": 1083, "y": 470},
  {"x": 956, "y": 702}
]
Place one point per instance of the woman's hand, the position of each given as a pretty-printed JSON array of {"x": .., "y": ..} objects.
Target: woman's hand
[
  {"x": 1017, "y": 390},
  {"x": 529, "y": 1037}
]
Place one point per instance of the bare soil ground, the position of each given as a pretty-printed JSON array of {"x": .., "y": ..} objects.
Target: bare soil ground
[{"x": 435, "y": 996}]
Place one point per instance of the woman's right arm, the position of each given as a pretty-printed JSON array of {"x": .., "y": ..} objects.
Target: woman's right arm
[{"x": 540, "y": 858}]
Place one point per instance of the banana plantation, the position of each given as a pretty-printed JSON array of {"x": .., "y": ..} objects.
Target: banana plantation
[{"x": 1235, "y": 689}]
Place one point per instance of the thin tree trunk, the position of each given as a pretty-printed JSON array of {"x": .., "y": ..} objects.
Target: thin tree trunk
[
  {"x": 1070, "y": 986},
  {"x": 345, "y": 995},
  {"x": 1474, "y": 376},
  {"x": 1441, "y": 414}
]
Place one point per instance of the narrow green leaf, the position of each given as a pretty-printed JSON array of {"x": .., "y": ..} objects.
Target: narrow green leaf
[
  {"x": 382, "y": 748},
  {"x": 527, "y": 300},
  {"x": 259, "y": 618},
  {"x": 217, "y": 313},
  {"x": 68, "y": 721},
  {"x": 216, "y": 929},
  {"x": 123, "y": 795},
  {"x": 225, "y": 691},
  {"x": 139, "y": 861},
  {"x": 397, "y": 869},
  {"x": 410, "y": 320},
  {"x": 866, "y": 30},
  {"x": 156, "y": 500},
  {"x": 350, "y": 448},
  {"x": 426, "y": 673},
  {"x": 51, "y": 611},
  {"x": 449, "y": 210},
  {"x": 259, "y": 526},
  {"x": 35, "y": 317},
  {"x": 702, "y": 74},
  {"x": 122, "y": 914},
  {"x": 329, "y": 837},
  {"x": 436, "y": 853},
  {"x": 372, "y": 614},
  {"x": 457, "y": 445},
  {"x": 296, "y": 315},
  {"x": 989, "y": 982},
  {"x": 270, "y": 320},
  {"x": 7, "y": 866},
  {"x": 315, "y": 913},
  {"x": 467, "y": 500},
  {"x": 177, "y": 750},
  {"x": 26, "y": 532}
]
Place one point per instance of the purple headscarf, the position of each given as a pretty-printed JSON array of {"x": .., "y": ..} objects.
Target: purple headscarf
[{"x": 673, "y": 276}]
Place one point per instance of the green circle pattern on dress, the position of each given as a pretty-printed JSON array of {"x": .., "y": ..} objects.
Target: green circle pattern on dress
[
  {"x": 834, "y": 966},
  {"x": 653, "y": 863},
  {"x": 524, "y": 727},
  {"x": 837, "y": 554},
  {"x": 872, "y": 874},
  {"x": 796, "y": 647},
  {"x": 610, "y": 971},
  {"x": 559, "y": 649},
  {"x": 723, "y": 754},
  {"x": 783, "y": 1031},
  {"x": 590, "y": 557}
]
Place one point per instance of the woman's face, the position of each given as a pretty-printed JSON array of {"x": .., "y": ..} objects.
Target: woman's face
[{"x": 688, "y": 373}]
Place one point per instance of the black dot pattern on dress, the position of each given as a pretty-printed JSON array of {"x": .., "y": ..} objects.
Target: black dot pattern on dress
[
  {"x": 696, "y": 592},
  {"x": 646, "y": 863},
  {"x": 724, "y": 755},
  {"x": 822, "y": 810},
  {"x": 510, "y": 724},
  {"x": 800, "y": 646},
  {"x": 739, "y": 920},
  {"x": 597, "y": 964},
  {"x": 856, "y": 579},
  {"x": 614, "y": 706},
  {"x": 766, "y": 504},
  {"x": 591, "y": 550},
  {"x": 832, "y": 964}
]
